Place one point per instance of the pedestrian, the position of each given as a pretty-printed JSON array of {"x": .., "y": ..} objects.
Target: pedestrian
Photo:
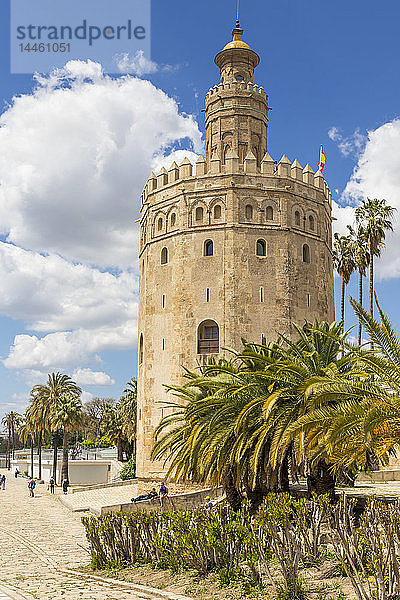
[
  {"x": 208, "y": 503},
  {"x": 31, "y": 487},
  {"x": 148, "y": 496},
  {"x": 3, "y": 482},
  {"x": 65, "y": 485},
  {"x": 163, "y": 493},
  {"x": 16, "y": 473},
  {"x": 51, "y": 485}
]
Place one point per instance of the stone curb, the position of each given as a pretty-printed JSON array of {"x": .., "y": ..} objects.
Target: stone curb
[
  {"x": 12, "y": 592},
  {"x": 144, "y": 590},
  {"x": 150, "y": 593}
]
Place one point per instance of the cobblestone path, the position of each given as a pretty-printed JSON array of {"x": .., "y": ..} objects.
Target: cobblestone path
[{"x": 39, "y": 538}]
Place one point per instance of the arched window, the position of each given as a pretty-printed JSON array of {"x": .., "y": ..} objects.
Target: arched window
[
  {"x": 269, "y": 213},
  {"x": 173, "y": 219},
  {"x": 208, "y": 338},
  {"x": 227, "y": 149},
  {"x": 159, "y": 225},
  {"x": 261, "y": 248},
  {"x": 249, "y": 212},
  {"x": 297, "y": 218},
  {"x": 311, "y": 222},
  {"x": 164, "y": 256},
  {"x": 199, "y": 213},
  {"x": 306, "y": 253},
  {"x": 141, "y": 349},
  {"x": 208, "y": 248},
  {"x": 217, "y": 211}
]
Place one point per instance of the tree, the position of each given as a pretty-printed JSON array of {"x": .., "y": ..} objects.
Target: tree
[
  {"x": 361, "y": 255},
  {"x": 114, "y": 429},
  {"x": 127, "y": 408},
  {"x": 27, "y": 432},
  {"x": 95, "y": 411},
  {"x": 357, "y": 413},
  {"x": 229, "y": 423},
  {"x": 11, "y": 421},
  {"x": 344, "y": 263},
  {"x": 58, "y": 386},
  {"x": 375, "y": 218},
  {"x": 67, "y": 415}
]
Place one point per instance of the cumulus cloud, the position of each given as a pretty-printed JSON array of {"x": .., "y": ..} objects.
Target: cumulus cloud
[
  {"x": 51, "y": 293},
  {"x": 63, "y": 349},
  {"x": 351, "y": 145},
  {"x": 74, "y": 156},
  {"x": 89, "y": 377},
  {"x": 138, "y": 64},
  {"x": 377, "y": 175}
]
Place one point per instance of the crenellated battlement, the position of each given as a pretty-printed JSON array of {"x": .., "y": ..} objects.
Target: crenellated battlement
[
  {"x": 236, "y": 87},
  {"x": 269, "y": 169}
]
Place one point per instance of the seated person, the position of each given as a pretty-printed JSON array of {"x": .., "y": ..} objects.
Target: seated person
[{"x": 148, "y": 496}]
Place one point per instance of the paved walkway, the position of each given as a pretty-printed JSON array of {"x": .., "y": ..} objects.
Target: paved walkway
[{"x": 40, "y": 539}]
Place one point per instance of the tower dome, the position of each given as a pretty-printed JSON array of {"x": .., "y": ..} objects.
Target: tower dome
[{"x": 237, "y": 59}]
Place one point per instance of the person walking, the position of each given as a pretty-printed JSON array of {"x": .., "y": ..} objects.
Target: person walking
[
  {"x": 65, "y": 485},
  {"x": 31, "y": 487},
  {"x": 51, "y": 485},
  {"x": 16, "y": 473},
  {"x": 3, "y": 481}
]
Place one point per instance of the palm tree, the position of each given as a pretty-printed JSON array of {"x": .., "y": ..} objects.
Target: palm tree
[
  {"x": 229, "y": 423},
  {"x": 375, "y": 217},
  {"x": 361, "y": 255},
  {"x": 67, "y": 415},
  {"x": 357, "y": 414},
  {"x": 40, "y": 416},
  {"x": 27, "y": 432},
  {"x": 127, "y": 408},
  {"x": 58, "y": 386},
  {"x": 11, "y": 421},
  {"x": 114, "y": 428},
  {"x": 343, "y": 259}
]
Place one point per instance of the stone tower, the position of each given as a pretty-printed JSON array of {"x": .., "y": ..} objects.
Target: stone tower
[{"x": 240, "y": 249}]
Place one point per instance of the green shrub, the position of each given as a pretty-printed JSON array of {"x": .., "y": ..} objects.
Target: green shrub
[{"x": 128, "y": 471}]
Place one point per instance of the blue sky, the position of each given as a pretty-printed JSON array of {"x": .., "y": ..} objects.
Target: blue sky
[{"x": 331, "y": 73}]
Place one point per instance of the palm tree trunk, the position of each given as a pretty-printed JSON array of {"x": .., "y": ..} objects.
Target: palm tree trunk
[
  {"x": 342, "y": 303},
  {"x": 13, "y": 440},
  {"x": 120, "y": 454},
  {"x": 360, "y": 300},
  {"x": 322, "y": 480},
  {"x": 40, "y": 454},
  {"x": 371, "y": 286},
  {"x": 371, "y": 290},
  {"x": 233, "y": 495},
  {"x": 9, "y": 449},
  {"x": 64, "y": 467},
  {"x": 31, "y": 440},
  {"x": 55, "y": 449}
]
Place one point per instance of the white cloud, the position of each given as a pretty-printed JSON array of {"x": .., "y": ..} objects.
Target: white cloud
[
  {"x": 351, "y": 145},
  {"x": 74, "y": 156},
  {"x": 89, "y": 377},
  {"x": 137, "y": 64},
  {"x": 377, "y": 175},
  {"x": 51, "y": 293},
  {"x": 63, "y": 349},
  {"x": 86, "y": 397}
]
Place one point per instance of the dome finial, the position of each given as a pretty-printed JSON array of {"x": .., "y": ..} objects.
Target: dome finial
[{"x": 237, "y": 15}]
